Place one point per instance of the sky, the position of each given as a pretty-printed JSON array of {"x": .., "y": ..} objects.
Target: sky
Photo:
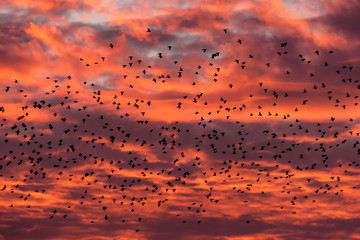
[{"x": 177, "y": 120}]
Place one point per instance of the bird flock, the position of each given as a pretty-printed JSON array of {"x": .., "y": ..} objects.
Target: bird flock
[{"x": 182, "y": 135}]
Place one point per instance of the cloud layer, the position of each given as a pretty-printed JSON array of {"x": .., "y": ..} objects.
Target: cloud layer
[{"x": 179, "y": 120}]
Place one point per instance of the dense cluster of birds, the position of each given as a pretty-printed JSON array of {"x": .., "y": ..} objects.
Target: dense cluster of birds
[{"x": 89, "y": 134}]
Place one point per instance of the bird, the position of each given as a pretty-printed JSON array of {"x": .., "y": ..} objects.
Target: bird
[{"x": 140, "y": 136}]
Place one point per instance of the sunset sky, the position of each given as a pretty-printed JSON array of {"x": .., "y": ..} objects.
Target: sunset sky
[{"x": 200, "y": 120}]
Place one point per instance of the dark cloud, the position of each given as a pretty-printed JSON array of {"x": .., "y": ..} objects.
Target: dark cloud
[{"x": 343, "y": 19}]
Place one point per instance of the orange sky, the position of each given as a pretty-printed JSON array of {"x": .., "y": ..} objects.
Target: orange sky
[{"x": 257, "y": 140}]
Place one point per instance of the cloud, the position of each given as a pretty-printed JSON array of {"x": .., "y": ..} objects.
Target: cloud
[{"x": 173, "y": 134}]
